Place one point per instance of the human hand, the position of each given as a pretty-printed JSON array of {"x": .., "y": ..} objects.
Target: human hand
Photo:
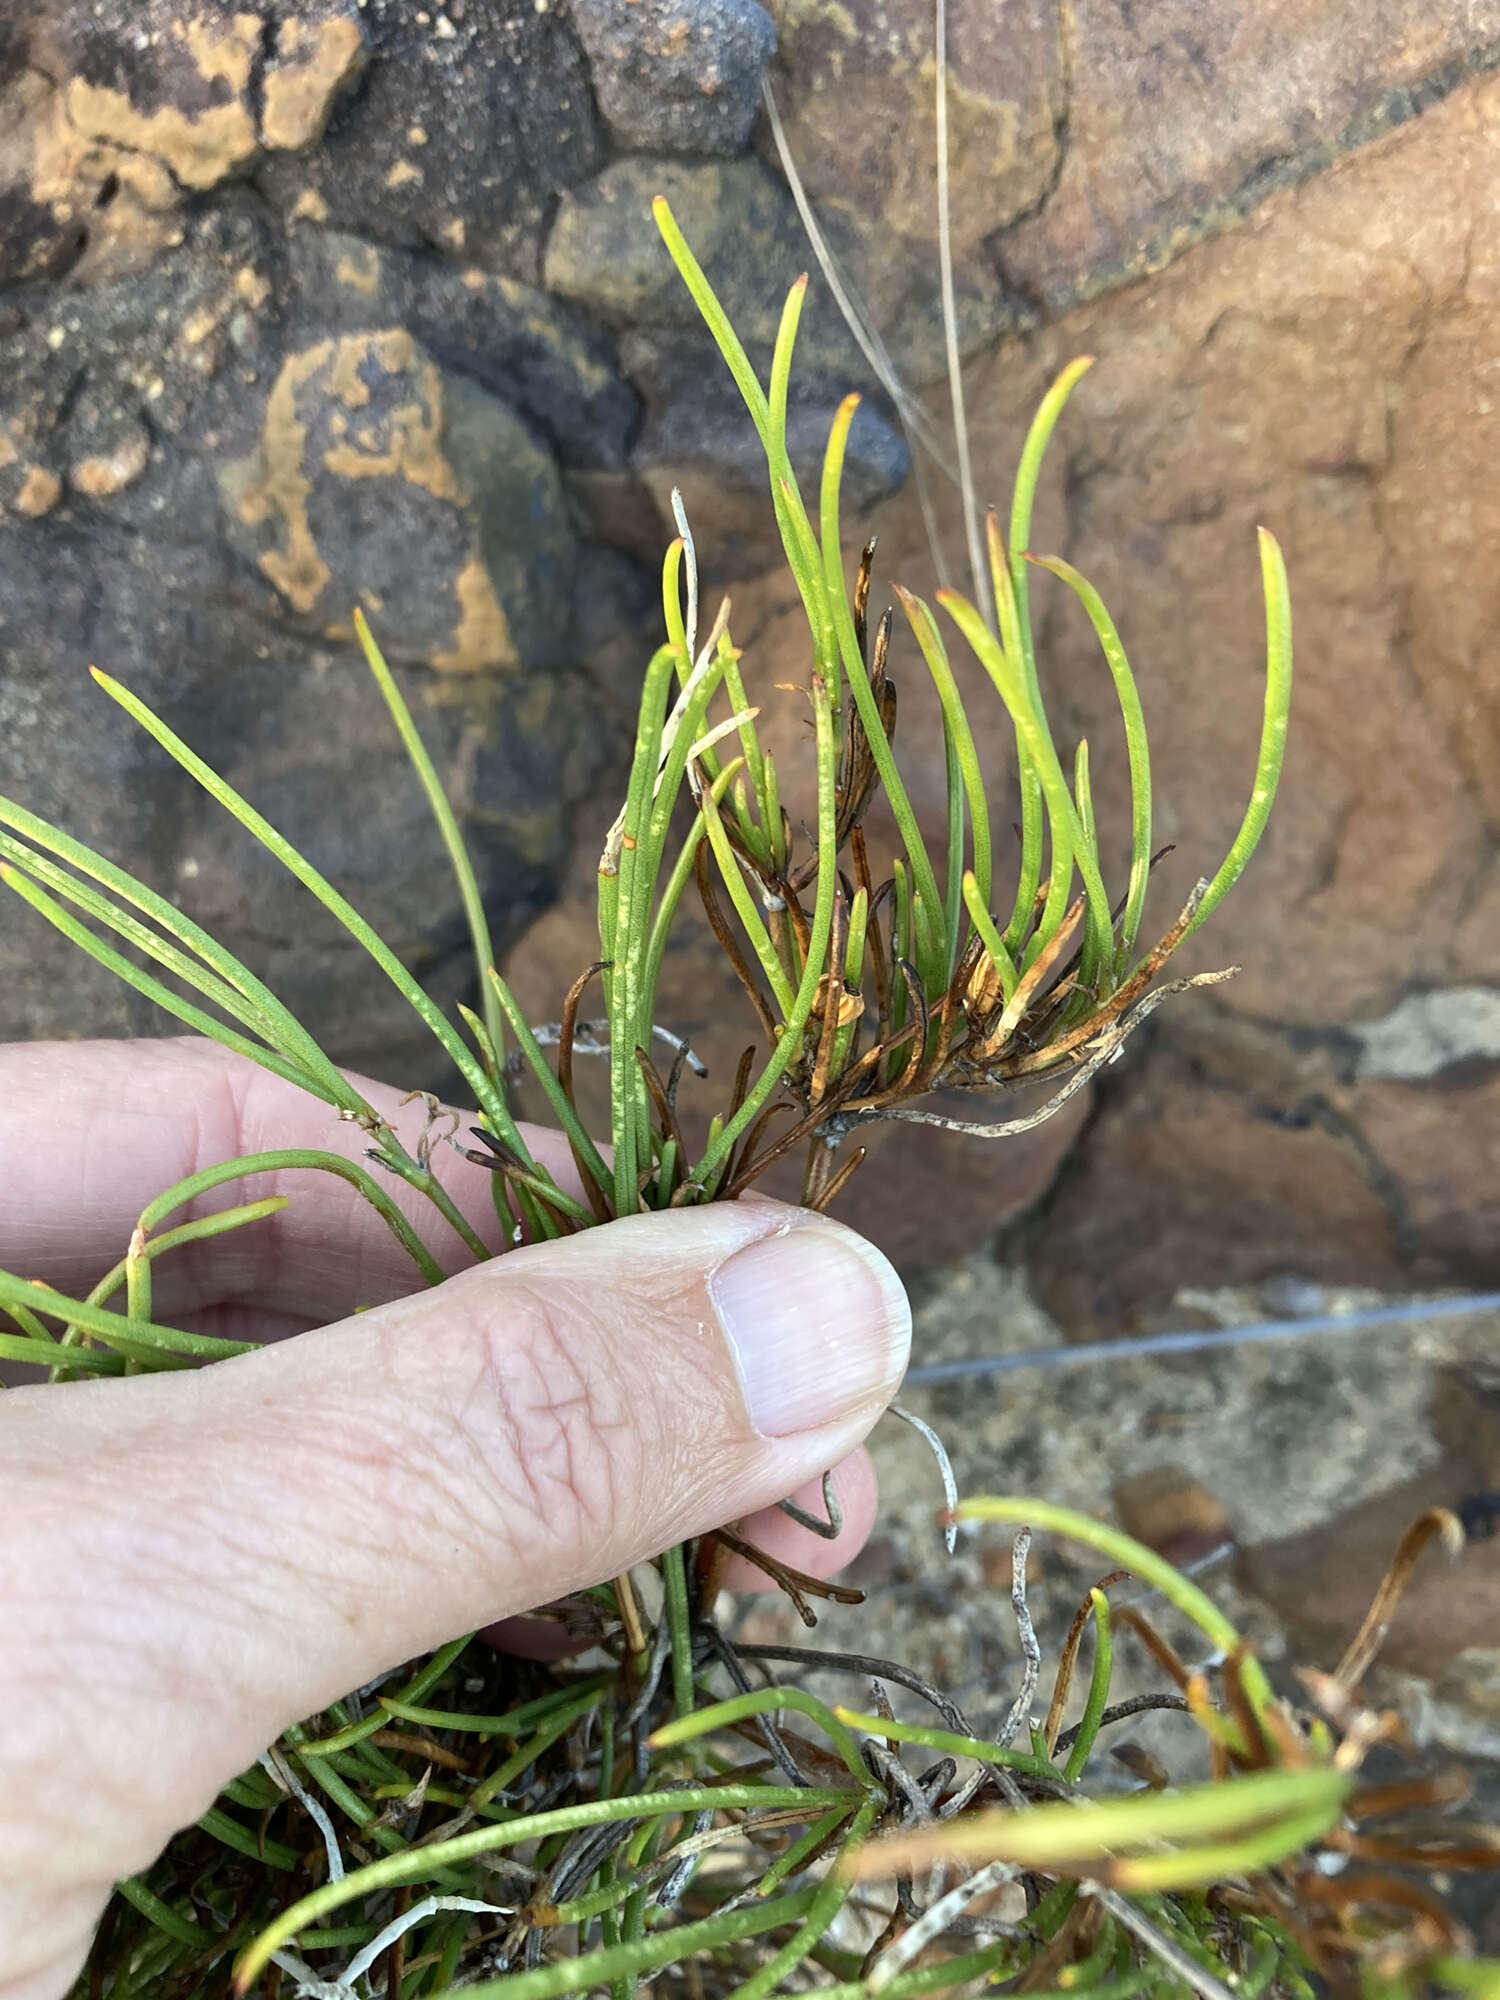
[{"x": 190, "y": 1562}]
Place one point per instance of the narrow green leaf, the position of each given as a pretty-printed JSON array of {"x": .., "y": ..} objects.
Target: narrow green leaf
[
  {"x": 1278, "y": 706},
  {"x": 46, "y": 1353},
  {"x": 513, "y": 1724},
  {"x": 824, "y": 1907},
  {"x": 641, "y": 1954},
  {"x": 171, "y": 1003},
  {"x": 1136, "y": 746},
  {"x": 447, "y": 824},
  {"x": 1127, "y": 1553},
  {"x": 487, "y": 1094},
  {"x": 1098, "y": 1695},
  {"x": 288, "y": 1035},
  {"x": 1284, "y": 1808},
  {"x": 946, "y": 1740},
  {"x": 566, "y": 1116},
  {"x": 820, "y": 931},
  {"x": 161, "y": 1914},
  {"x": 676, "y": 1611},
  {"x": 419, "y": 1864},
  {"x": 732, "y": 875},
  {"x": 293, "y": 1160},
  {"x": 132, "y": 1337},
  {"x": 223, "y": 1827},
  {"x": 1070, "y": 844},
  {"x": 714, "y": 317},
  {"x": 676, "y": 884},
  {"x": 1246, "y": 1854},
  {"x": 787, "y": 1864},
  {"x": 425, "y": 1678},
  {"x": 763, "y": 1701},
  {"x": 956, "y": 721},
  {"x": 1024, "y": 495},
  {"x": 989, "y": 937}
]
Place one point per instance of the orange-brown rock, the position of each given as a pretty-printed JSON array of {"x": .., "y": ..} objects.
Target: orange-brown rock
[
  {"x": 1175, "y": 1514},
  {"x": 1308, "y": 371},
  {"x": 855, "y": 84}
]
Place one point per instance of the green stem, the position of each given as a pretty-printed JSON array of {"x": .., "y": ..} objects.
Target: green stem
[{"x": 675, "y": 1611}]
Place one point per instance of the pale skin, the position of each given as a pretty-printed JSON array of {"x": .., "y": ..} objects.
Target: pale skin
[{"x": 191, "y": 1562}]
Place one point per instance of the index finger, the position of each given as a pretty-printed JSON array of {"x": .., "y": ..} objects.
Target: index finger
[{"x": 91, "y": 1132}]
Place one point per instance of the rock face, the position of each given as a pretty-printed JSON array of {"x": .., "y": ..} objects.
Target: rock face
[
  {"x": 606, "y": 255},
  {"x": 677, "y": 76},
  {"x": 373, "y": 467},
  {"x": 1311, "y": 371},
  {"x": 311, "y": 302}
]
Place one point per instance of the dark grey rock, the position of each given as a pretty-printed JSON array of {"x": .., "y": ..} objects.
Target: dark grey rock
[
  {"x": 697, "y": 435},
  {"x": 161, "y": 380},
  {"x": 677, "y": 76},
  {"x": 532, "y": 351},
  {"x": 605, "y": 252},
  {"x": 302, "y": 735},
  {"x": 114, "y": 119},
  {"x": 168, "y": 353},
  {"x": 616, "y": 613},
  {"x": 463, "y": 129},
  {"x": 378, "y": 477},
  {"x": 35, "y": 240},
  {"x": 174, "y": 84},
  {"x": 302, "y": 731}
]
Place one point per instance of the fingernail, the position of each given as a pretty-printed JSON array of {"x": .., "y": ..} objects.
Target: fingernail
[{"x": 818, "y": 1323}]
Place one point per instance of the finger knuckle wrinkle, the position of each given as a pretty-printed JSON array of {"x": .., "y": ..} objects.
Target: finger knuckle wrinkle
[{"x": 556, "y": 1425}]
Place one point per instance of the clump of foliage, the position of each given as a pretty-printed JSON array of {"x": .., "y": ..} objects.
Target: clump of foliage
[{"x": 548, "y": 1831}]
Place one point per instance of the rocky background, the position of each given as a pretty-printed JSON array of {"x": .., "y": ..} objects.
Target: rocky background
[{"x": 305, "y": 303}]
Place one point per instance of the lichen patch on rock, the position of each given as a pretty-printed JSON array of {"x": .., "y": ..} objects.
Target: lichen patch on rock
[
  {"x": 314, "y": 62},
  {"x": 206, "y": 129}
]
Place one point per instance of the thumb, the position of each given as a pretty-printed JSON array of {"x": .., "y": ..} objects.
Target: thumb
[{"x": 230, "y": 1550}]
